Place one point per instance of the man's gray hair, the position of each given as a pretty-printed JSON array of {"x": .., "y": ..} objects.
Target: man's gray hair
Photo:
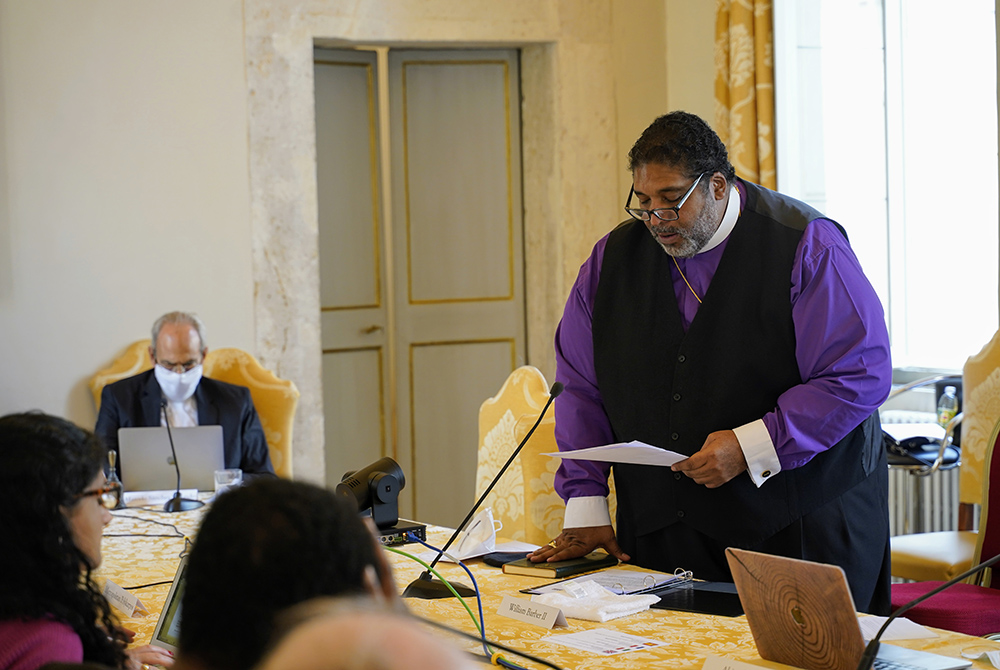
[{"x": 186, "y": 318}]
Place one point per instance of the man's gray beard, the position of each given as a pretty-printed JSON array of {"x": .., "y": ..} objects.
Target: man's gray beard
[{"x": 695, "y": 238}]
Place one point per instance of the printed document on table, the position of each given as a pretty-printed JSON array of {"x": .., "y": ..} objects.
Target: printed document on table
[
  {"x": 616, "y": 580},
  {"x": 635, "y": 452},
  {"x": 900, "y": 629},
  {"x": 603, "y": 641}
]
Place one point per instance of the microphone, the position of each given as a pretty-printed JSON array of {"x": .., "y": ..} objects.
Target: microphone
[
  {"x": 425, "y": 586},
  {"x": 176, "y": 504},
  {"x": 871, "y": 650}
]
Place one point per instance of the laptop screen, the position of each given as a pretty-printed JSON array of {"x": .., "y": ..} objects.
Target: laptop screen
[
  {"x": 168, "y": 628},
  {"x": 146, "y": 460}
]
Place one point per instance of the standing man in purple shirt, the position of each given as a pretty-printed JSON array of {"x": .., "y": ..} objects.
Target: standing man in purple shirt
[{"x": 755, "y": 346}]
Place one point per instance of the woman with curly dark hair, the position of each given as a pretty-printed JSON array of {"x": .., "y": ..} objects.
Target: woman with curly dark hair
[{"x": 55, "y": 509}]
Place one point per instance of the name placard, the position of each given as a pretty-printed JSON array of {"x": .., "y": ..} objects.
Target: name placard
[
  {"x": 122, "y": 600},
  {"x": 538, "y": 614}
]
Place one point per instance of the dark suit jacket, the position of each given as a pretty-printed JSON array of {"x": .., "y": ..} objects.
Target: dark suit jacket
[{"x": 135, "y": 401}]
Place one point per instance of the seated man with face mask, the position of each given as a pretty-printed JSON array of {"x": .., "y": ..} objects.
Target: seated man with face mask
[{"x": 178, "y": 351}]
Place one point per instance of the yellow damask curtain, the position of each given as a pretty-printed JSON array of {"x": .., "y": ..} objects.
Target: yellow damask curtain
[{"x": 744, "y": 87}]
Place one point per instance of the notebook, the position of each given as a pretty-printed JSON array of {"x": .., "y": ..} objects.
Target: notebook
[
  {"x": 168, "y": 626},
  {"x": 146, "y": 463},
  {"x": 801, "y": 614}
]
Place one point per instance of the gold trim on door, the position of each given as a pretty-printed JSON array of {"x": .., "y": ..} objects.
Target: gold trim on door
[
  {"x": 413, "y": 427},
  {"x": 406, "y": 185},
  {"x": 378, "y": 349}
]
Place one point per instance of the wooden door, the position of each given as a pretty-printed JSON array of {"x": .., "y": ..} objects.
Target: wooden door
[{"x": 421, "y": 261}]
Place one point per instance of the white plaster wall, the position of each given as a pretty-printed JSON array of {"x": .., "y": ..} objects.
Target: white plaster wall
[
  {"x": 664, "y": 53},
  {"x": 123, "y": 186},
  {"x": 641, "y": 76},
  {"x": 690, "y": 56}
]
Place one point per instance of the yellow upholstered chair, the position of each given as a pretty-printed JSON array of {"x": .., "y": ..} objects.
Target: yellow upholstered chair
[
  {"x": 524, "y": 499},
  {"x": 941, "y": 555},
  {"x": 275, "y": 399}
]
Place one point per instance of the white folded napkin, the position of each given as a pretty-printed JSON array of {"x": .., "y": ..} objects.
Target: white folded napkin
[{"x": 595, "y": 603}]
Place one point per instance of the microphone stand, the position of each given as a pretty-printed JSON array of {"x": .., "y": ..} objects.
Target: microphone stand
[
  {"x": 177, "y": 503},
  {"x": 425, "y": 586},
  {"x": 868, "y": 658}
]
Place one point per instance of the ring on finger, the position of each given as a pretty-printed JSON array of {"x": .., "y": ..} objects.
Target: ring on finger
[{"x": 552, "y": 544}]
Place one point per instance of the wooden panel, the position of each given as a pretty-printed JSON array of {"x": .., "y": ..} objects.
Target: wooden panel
[
  {"x": 354, "y": 405},
  {"x": 346, "y": 181},
  {"x": 449, "y": 381},
  {"x": 456, "y": 126}
]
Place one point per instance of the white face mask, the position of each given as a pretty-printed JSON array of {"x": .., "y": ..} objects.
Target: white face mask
[
  {"x": 479, "y": 537},
  {"x": 177, "y": 386}
]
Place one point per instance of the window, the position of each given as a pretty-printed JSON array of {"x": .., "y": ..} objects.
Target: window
[{"x": 887, "y": 123}]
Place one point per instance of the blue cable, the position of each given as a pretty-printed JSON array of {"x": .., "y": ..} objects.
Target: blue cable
[{"x": 479, "y": 602}]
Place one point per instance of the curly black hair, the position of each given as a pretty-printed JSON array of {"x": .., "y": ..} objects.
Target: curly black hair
[
  {"x": 685, "y": 141},
  {"x": 44, "y": 462},
  {"x": 260, "y": 549}
]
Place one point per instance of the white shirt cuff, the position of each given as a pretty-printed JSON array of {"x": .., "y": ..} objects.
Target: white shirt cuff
[
  {"x": 762, "y": 459},
  {"x": 587, "y": 512}
]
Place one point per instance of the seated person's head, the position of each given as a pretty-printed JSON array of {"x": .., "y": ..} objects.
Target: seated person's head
[
  {"x": 177, "y": 349},
  {"x": 355, "y": 634},
  {"x": 260, "y": 549},
  {"x": 54, "y": 513}
]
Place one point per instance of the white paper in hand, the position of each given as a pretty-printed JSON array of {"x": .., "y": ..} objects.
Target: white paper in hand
[{"x": 635, "y": 452}]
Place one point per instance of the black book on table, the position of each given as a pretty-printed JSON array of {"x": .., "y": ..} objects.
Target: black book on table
[{"x": 556, "y": 569}]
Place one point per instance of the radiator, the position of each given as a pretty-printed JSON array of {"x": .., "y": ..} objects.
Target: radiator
[{"x": 922, "y": 504}]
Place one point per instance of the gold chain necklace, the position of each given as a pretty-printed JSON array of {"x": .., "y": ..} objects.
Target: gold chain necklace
[{"x": 686, "y": 280}]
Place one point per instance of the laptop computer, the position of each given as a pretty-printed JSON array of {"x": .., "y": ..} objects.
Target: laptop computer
[
  {"x": 168, "y": 626},
  {"x": 801, "y": 614},
  {"x": 147, "y": 465}
]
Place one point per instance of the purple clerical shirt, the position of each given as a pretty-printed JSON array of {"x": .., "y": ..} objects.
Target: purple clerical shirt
[{"x": 842, "y": 350}]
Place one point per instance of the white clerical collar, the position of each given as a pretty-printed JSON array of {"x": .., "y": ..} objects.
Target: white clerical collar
[{"x": 728, "y": 221}]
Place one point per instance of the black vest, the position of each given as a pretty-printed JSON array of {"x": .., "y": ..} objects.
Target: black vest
[{"x": 671, "y": 389}]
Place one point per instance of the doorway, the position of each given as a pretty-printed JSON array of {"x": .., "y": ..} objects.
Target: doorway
[{"x": 421, "y": 260}]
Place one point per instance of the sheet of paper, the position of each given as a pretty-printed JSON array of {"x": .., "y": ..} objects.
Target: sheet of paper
[
  {"x": 904, "y": 431},
  {"x": 635, "y": 452},
  {"x": 900, "y": 629},
  {"x": 615, "y": 580},
  {"x": 603, "y": 641},
  {"x": 142, "y": 498}
]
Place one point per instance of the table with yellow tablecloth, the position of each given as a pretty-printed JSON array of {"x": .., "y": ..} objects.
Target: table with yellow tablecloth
[
  {"x": 133, "y": 557},
  {"x": 142, "y": 547}
]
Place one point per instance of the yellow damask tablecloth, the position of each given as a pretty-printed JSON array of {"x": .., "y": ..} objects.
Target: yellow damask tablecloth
[
  {"x": 133, "y": 557},
  {"x": 139, "y": 550}
]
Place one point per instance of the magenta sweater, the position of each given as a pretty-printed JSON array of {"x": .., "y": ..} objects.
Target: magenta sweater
[{"x": 28, "y": 645}]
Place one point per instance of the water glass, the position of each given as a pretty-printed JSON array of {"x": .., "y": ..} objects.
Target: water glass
[{"x": 227, "y": 479}]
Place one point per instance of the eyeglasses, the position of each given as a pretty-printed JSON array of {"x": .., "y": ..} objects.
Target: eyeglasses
[
  {"x": 109, "y": 496},
  {"x": 662, "y": 213},
  {"x": 179, "y": 367}
]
